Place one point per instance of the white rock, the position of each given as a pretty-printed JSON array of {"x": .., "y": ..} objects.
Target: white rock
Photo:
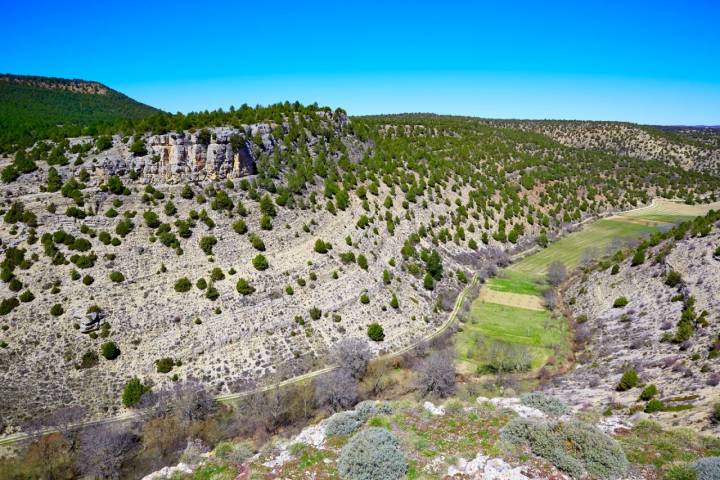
[{"x": 434, "y": 410}]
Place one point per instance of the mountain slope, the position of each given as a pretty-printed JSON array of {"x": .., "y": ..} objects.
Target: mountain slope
[{"x": 35, "y": 107}]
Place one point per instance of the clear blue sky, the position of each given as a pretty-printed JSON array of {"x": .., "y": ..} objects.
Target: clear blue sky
[{"x": 650, "y": 62}]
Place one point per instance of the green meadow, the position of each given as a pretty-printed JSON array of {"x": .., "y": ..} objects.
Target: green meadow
[{"x": 544, "y": 333}]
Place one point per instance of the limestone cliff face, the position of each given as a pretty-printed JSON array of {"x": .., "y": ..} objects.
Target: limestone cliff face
[
  {"x": 184, "y": 156},
  {"x": 227, "y": 152}
]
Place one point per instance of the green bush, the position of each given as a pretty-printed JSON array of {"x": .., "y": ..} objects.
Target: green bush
[
  {"x": 362, "y": 262},
  {"x": 88, "y": 360},
  {"x": 183, "y": 284},
  {"x": 648, "y": 392},
  {"x": 207, "y": 243},
  {"x": 364, "y": 299},
  {"x": 164, "y": 365},
  {"x": 27, "y": 296},
  {"x": 56, "y": 310},
  {"x": 375, "y": 332},
  {"x": 342, "y": 423},
  {"x": 573, "y": 447},
  {"x": 260, "y": 262},
  {"x": 628, "y": 380},
  {"x": 110, "y": 350},
  {"x": 240, "y": 227},
  {"x": 116, "y": 276},
  {"x": 428, "y": 282},
  {"x": 620, "y": 302},
  {"x": 371, "y": 408},
  {"x": 545, "y": 403},
  {"x": 8, "y": 305},
  {"x": 673, "y": 278},
  {"x": 654, "y": 405},
  {"x": 132, "y": 392},
  {"x": 315, "y": 313},
  {"x": 680, "y": 471},
  {"x": 708, "y": 468},
  {"x": 321, "y": 246},
  {"x": 372, "y": 454},
  {"x": 243, "y": 287}
]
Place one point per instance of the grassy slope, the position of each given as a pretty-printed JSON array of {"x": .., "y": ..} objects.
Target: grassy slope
[{"x": 542, "y": 333}]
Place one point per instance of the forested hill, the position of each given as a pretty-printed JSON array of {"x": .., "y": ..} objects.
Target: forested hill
[{"x": 40, "y": 107}]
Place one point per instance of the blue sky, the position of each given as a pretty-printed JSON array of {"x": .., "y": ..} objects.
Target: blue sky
[{"x": 649, "y": 62}]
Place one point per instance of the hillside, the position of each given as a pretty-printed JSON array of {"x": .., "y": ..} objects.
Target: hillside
[
  {"x": 689, "y": 148},
  {"x": 153, "y": 265},
  {"x": 38, "y": 107}
]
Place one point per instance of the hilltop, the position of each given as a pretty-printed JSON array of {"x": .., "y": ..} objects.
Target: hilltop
[{"x": 33, "y": 107}]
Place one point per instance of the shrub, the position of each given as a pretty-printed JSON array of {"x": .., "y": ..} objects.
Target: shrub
[
  {"x": 364, "y": 299},
  {"x": 183, "y": 285},
  {"x": 201, "y": 284},
  {"x": 573, "y": 447},
  {"x": 708, "y": 468},
  {"x": 217, "y": 274},
  {"x": 436, "y": 375},
  {"x": 362, "y": 262},
  {"x": 257, "y": 242},
  {"x": 240, "y": 227},
  {"x": 620, "y": 302},
  {"x": 371, "y": 408},
  {"x": 109, "y": 350},
  {"x": 260, "y": 262},
  {"x": 315, "y": 313},
  {"x": 648, "y": 392},
  {"x": 88, "y": 360},
  {"x": 27, "y": 296},
  {"x": 545, "y": 403},
  {"x": 375, "y": 332},
  {"x": 673, "y": 278},
  {"x": 132, "y": 392},
  {"x": 680, "y": 471},
  {"x": 716, "y": 413},
  {"x": 373, "y": 454},
  {"x": 638, "y": 258},
  {"x": 628, "y": 380},
  {"x": 164, "y": 365},
  {"x": 8, "y": 305},
  {"x": 321, "y": 246},
  {"x": 207, "y": 243},
  {"x": 116, "y": 276},
  {"x": 654, "y": 405},
  {"x": 56, "y": 310},
  {"x": 342, "y": 423},
  {"x": 243, "y": 287}
]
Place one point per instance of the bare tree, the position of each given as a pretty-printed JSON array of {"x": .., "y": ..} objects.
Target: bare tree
[
  {"x": 353, "y": 355},
  {"x": 188, "y": 401},
  {"x": 550, "y": 298},
  {"x": 103, "y": 449},
  {"x": 336, "y": 390},
  {"x": 65, "y": 420},
  {"x": 436, "y": 374},
  {"x": 557, "y": 273}
]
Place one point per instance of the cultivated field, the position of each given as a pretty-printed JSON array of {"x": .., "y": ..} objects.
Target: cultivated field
[{"x": 510, "y": 308}]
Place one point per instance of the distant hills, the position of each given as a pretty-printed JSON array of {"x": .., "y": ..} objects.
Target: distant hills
[{"x": 34, "y": 107}]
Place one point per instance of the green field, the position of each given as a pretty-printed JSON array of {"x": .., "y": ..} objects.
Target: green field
[
  {"x": 514, "y": 282},
  {"x": 599, "y": 235},
  {"x": 541, "y": 332}
]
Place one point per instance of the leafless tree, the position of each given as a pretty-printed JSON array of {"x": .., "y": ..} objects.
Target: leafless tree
[
  {"x": 436, "y": 374},
  {"x": 65, "y": 420},
  {"x": 188, "y": 401},
  {"x": 336, "y": 390},
  {"x": 550, "y": 298},
  {"x": 353, "y": 355},
  {"x": 103, "y": 449},
  {"x": 557, "y": 273}
]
